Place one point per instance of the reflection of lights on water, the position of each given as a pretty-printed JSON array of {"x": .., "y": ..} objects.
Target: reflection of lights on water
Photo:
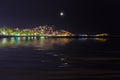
[
  {"x": 40, "y": 49},
  {"x": 43, "y": 61},
  {"x": 28, "y": 38},
  {"x": 55, "y": 55},
  {"x": 35, "y": 38},
  {"x": 17, "y": 40},
  {"x": 12, "y": 40},
  {"x": 97, "y": 39},
  {"x": 42, "y": 37},
  {"x": 101, "y": 39},
  {"x": 62, "y": 59},
  {"x": 82, "y": 39},
  {"x": 31, "y": 37},
  {"x": 58, "y": 61},
  {"x": 24, "y": 38},
  {"x": 64, "y": 65},
  {"x": 44, "y": 43},
  {"x": 4, "y": 40}
]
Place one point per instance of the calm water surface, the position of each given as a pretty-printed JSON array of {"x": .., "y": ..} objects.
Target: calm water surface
[{"x": 59, "y": 58}]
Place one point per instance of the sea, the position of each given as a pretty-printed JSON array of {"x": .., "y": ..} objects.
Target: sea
[{"x": 31, "y": 58}]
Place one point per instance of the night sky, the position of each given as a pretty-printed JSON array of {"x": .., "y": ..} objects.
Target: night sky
[{"x": 80, "y": 16}]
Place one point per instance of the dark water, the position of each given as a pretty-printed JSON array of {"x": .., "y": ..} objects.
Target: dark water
[{"x": 59, "y": 59}]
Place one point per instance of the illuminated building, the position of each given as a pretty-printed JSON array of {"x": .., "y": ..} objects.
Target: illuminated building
[{"x": 38, "y": 31}]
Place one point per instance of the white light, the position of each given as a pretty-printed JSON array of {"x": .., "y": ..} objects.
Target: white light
[
  {"x": 61, "y": 13},
  {"x": 4, "y": 33},
  {"x": 62, "y": 59}
]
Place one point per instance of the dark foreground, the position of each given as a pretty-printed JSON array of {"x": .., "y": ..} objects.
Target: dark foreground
[{"x": 59, "y": 59}]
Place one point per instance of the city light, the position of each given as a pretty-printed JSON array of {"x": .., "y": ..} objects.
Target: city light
[{"x": 43, "y": 31}]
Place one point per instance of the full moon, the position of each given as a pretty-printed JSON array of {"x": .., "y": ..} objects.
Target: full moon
[{"x": 61, "y": 14}]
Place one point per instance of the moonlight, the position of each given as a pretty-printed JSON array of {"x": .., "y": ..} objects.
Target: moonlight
[{"x": 61, "y": 14}]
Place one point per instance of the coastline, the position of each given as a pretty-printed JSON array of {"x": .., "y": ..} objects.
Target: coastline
[{"x": 1, "y": 36}]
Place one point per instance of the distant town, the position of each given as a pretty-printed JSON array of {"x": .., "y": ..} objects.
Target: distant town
[{"x": 42, "y": 31}]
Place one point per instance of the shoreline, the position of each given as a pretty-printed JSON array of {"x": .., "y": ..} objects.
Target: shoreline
[{"x": 1, "y": 36}]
